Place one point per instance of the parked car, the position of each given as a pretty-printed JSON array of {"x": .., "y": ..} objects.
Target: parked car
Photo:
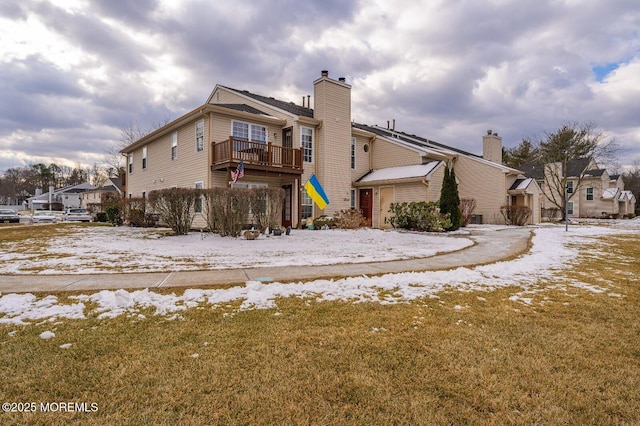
[
  {"x": 43, "y": 216},
  {"x": 9, "y": 215},
  {"x": 76, "y": 215}
]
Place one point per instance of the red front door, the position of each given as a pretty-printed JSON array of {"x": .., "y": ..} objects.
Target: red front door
[{"x": 366, "y": 204}]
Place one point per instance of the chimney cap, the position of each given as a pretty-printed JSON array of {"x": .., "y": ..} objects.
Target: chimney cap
[
  {"x": 489, "y": 132},
  {"x": 324, "y": 73},
  {"x": 342, "y": 79}
]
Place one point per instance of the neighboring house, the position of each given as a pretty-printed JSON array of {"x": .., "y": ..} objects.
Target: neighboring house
[
  {"x": 68, "y": 197},
  {"x": 592, "y": 192},
  {"x": 281, "y": 144},
  {"x": 94, "y": 199}
]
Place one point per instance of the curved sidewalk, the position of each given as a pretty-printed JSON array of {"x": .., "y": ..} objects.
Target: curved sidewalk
[{"x": 490, "y": 246}]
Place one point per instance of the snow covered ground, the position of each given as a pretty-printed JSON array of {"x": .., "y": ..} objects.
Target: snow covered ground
[
  {"x": 128, "y": 250},
  {"x": 553, "y": 250}
]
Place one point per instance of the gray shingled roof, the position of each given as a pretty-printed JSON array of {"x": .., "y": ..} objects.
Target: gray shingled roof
[
  {"x": 575, "y": 168},
  {"x": 243, "y": 108},
  {"x": 283, "y": 105},
  {"x": 411, "y": 139}
]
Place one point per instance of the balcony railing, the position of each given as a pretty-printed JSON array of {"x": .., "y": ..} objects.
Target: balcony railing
[{"x": 256, "y": 155}]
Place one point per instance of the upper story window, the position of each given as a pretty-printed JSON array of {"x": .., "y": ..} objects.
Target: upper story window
[
  {"x": 131, "y": 163},
  {"x": 589, "y": 194},
  {"x": 249, "y": 132},
  {"x": 258, "y": 133},
  {"x": 306, "y": 143},
  {"x": 200, "y": 136},
  {"x": 144, "y": 157},
  {"x": 174, "y": 146},
  {"x": 353, "y": 153},
  {"x": 569, "y": 187}
]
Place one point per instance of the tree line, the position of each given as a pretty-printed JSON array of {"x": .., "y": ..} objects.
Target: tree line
[{"x": 18, "y": 183}]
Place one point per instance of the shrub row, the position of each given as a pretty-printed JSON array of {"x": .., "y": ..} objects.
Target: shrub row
[
  {"x": 345, "y": 219},
  {"x": 419, "y": 216}
]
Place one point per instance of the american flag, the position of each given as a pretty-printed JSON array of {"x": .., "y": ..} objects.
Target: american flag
[{"x": 238, "y": 172}]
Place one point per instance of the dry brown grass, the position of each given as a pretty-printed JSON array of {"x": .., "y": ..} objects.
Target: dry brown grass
[{"x": 571, "y": 357}]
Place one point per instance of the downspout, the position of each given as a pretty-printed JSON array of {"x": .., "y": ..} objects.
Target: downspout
[
  {"x": 209, "y": 149},
  {"x": 425, "y": 182},
  {"x": 371, "y": 141}
]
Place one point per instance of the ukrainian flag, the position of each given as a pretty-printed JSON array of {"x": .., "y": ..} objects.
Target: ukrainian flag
[{"x": 315, "y": 191}]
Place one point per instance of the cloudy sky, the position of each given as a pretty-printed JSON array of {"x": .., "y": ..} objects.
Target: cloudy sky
[{"x": 73, "y": 73}]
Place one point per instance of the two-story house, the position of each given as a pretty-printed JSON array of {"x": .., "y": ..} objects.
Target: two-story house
[
  {"x": 591, "y": 191},
  {"x": 281, "y": 144}
]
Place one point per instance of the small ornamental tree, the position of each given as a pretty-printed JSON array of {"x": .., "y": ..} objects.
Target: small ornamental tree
[{"x": 450, "y": 200}]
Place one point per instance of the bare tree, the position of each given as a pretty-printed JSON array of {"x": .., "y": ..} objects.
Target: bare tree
[
  {"x": 130, "y": 133},
  {"x": 570, "y": 153},
  {"x": 631, "y": 179}
]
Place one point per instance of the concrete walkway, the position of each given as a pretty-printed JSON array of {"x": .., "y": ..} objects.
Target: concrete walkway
[{"x": 491, "y": 245}]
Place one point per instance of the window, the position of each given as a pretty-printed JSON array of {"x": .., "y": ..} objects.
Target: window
[
  {"x": 569, "y": 187},
  {"x": 307, "y": 205},
  {"x": 589, "y": 194},
  {"x": 240, "y": 130},
  {"x": 144, "y": 157},
  {"x": 353, "y": 198},
  {"x": 249, "y": 132},
  {"x": 131, "y": 163},
  {"x": 353, "y": 153},
  {"x": 570, "y": 207},
  {"x": 198, "y": 206},
  {"x": 200, "y": 136},
  {"x": 174, "y": 146},
  {"x": 258, "y": 133},
  {"x": 306, "y": 142}
]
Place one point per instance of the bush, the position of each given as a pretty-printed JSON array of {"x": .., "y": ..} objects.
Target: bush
[
  {"x": 101, "y": 217},
  {"x": 324, "y": 220},
  {"x": 551, "y": 214},
  {"x": 227, "y": 209},
  {"x": 515, "y": 215},
  {"x": 419, "y": 216},
  {"x": 266, "y": 207},
  {"x": 113, "y": 215},
  {"x": 467, "y": 207},
  {"x": 350, "y": 219},
  {"x": 175, "y": 207}
]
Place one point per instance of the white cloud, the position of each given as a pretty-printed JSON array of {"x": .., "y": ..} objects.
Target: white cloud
[{"x": 444, "y": 70}]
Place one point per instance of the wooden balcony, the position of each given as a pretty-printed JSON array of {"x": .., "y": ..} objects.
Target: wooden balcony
[{"x": 255, "y": 156}]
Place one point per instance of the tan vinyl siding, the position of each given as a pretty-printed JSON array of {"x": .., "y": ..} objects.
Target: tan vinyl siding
[
  {"x": 332, "y": 104},
  {"x": 435, "y": 183},
  {"x": 386, "y": 154},
  {"x": 362, "y": 158},
  {"x": 163, "y": 172},
  {"x": 486, "y": 184}
]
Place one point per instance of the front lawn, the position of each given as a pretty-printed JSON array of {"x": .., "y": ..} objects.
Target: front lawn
[{"x": 562, "y": 351}]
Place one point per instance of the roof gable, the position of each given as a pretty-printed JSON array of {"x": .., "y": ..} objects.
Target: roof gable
[{"x": 289, "y": 107}]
